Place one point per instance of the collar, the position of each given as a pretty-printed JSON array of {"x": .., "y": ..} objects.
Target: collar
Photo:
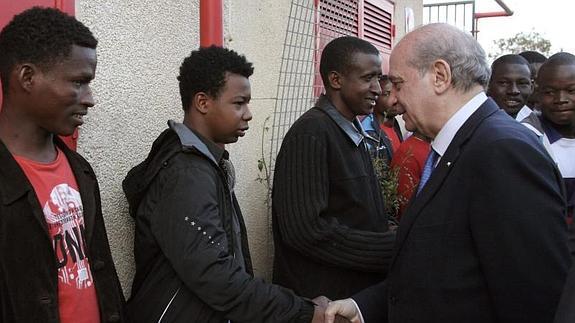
[
  {"x": 449, "y": 130},
  {"x": 216, "y": 151},
  {"x": 353, "y": 130},
  {"x": 16, "y": 183},
  {"x": 552, "y": 134},
  {"x": 192, "y": 139},
  {"x": 523, "y": 113}
]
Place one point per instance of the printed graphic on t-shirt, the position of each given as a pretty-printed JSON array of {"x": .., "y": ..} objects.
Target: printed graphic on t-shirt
[{"x": 64, "y": 215}]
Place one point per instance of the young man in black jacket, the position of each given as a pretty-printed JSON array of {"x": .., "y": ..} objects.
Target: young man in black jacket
[
  {"x": 191, "y": 248},
  {"x": 331, "y": 231},
  {"x": 55, "y": 261}
]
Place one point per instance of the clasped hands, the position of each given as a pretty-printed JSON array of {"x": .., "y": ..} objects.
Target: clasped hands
[{"x": 341, "y": 311}]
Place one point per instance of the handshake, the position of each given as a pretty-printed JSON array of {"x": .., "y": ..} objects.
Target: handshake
[{"x": 342, "y": 311}]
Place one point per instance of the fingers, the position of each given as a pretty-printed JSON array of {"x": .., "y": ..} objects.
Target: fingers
[
  {"x": 345, "y": 308},
  {"x": 341, "y": 319},
  {"x": 318, "y": 314},
  {"x": 321, "y": 301}
]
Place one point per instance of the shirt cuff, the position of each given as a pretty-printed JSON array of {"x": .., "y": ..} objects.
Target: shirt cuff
[{"x": 358, "y": 311}]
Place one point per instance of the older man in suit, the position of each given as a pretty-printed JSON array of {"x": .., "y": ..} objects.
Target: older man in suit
[{"x": 484, "y": 239}]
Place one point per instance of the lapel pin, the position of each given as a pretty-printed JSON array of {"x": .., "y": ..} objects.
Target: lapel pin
[{"x": 448, "y": 164}]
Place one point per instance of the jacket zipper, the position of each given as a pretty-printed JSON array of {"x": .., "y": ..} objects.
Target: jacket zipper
[{"x": 168, "y": 306}]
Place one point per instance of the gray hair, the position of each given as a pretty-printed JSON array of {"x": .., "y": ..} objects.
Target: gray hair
[{"x": 460, "y": 50}]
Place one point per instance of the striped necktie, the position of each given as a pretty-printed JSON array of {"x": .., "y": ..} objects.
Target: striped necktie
[{"x": 427, "y": 169}]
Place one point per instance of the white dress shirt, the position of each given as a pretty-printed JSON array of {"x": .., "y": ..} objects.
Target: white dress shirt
[{"x": 441, "y": 142}]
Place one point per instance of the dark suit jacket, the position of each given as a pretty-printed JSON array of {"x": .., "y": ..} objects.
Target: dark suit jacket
[
  {"x": 486, "y": 240},
  {"x": 566, "y": 309}
]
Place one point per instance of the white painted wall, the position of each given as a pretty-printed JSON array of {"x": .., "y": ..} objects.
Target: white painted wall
[{"x": 141, "y": 46}]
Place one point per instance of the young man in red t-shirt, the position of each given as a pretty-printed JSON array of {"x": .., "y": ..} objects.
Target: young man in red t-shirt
[{"x": 56, "y": 263}]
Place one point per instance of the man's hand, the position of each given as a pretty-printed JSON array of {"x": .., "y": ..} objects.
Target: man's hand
[
  {"x": 345, "y": 308},
  {"x": 321, "y": 301},
  {"x": 319, "y": 309}
]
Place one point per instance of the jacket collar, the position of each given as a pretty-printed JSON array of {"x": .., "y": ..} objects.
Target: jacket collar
[
  {"x": 534, "y": 123},
  {"x": 15, "y": 182},
  {"x": 442, "y": 170},
  {"x": 353, "y": 130},
  {"x": 16, "y": 185},
  {"x": 452, "y": 126},
  {"x": 190, "y": 139}
]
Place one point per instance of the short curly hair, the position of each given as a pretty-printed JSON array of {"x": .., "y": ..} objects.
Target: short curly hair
[
  {"x": 40, "y": 36},
  {"x": 205, "y": 71}
]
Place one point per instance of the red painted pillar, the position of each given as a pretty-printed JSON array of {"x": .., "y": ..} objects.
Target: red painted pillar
[{"x": 211, "y": 23}]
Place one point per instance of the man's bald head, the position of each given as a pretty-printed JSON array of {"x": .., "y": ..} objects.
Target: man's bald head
[{"x": 460, "y": 50}]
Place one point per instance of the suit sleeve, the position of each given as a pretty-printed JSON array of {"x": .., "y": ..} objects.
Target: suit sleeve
[
  {"x": 301, "y": 193},
  {"x": 566, "y": 311},
  {"x": 519, "y": 230},
  {"x": 372, "y": 303},
  {"x": 187, "y": 226}
]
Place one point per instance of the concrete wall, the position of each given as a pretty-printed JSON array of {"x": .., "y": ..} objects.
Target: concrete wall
[
  {"x": 400, "y": 5},
  {"x": 400, "y": 28},
  {"x": 257, "y": 29},
  {"x": 142, "y": 44}
]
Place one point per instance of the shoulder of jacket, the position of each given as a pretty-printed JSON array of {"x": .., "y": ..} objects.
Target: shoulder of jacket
[{"x": 189, "y": 161}]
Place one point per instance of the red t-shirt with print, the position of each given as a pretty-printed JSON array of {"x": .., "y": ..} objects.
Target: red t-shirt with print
[{"x": 59, "y": 197}]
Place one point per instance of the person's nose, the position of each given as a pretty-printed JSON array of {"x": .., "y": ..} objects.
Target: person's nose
[
  {"x": 247, "y": 114},
  {"x": 87, "y": 98},
  {"x": 513, "y": 89},
  {"x": 394, "y": 102},
  {"x": 376, "y": 87},
  {"x": 560, "y": 97}
]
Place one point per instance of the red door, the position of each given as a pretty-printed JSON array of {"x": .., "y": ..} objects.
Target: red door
[
  {"x": 371, "y": 20},
  {"x": 9, "y": 8}
]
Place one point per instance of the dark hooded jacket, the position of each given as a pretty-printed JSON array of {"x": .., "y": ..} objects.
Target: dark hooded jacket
[
  {"x": 191, "y": 251},
  {"x": 28, "y": 264}
]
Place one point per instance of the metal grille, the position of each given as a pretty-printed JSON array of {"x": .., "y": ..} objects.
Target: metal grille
[
  {"x": 338, "y": 18},
  {"x": 377, "y": 24},
  {"x": 311, "y": 25},
  {"x": 458, "y": 13}
]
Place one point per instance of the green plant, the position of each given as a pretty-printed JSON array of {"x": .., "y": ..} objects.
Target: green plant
[
  {"x": 264, "y": 175},
  {"x": 389, "y": 181}
]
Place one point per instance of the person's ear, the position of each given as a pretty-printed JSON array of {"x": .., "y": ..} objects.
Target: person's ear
[
  {"x": 441, "y": 72},
  {"x": 335, "y": 80},
  {"x": 26, "y": 75},
  {"x": 201, "y": 102}
]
